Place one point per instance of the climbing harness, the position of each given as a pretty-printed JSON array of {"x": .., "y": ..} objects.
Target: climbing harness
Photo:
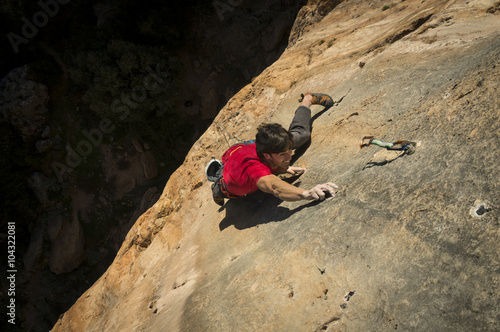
[{"x": 407, "y": 147}]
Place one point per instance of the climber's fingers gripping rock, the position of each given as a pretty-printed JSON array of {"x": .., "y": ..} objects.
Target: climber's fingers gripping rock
[{"x": 319, "y": 191}]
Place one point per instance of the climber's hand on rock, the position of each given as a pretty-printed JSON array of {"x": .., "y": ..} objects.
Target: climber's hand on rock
[{"x": 320, "y": 190}]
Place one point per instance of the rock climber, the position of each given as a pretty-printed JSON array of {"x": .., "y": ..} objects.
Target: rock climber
[{"x": 254, "y": 165}]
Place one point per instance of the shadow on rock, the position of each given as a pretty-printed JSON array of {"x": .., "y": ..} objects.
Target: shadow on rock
[
  {"x": 384, "y": 158},
  {"x": 257, "y": 209}
]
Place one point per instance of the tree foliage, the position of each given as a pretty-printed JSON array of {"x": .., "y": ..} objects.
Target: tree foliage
[{"x": 124, "y": 74}]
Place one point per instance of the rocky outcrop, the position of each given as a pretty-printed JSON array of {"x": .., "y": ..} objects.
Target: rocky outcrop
[
  {"x": 226, "y": 51},
  {"x": 67, "y": 248},
  {"x": 310, "y": 14},
  {"x": 409, "y": 243}
]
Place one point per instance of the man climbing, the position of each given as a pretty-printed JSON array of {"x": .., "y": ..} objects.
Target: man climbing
[{"x": 249, "y": 167}]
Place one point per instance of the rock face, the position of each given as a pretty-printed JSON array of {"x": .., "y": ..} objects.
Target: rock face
[{"x": 409, "y": 243}]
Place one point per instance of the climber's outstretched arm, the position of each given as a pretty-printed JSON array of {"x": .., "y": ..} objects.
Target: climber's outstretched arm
[{"x": 283, "y": 190}]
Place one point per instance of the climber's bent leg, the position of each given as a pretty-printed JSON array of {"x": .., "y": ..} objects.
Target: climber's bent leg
[{"x": 300, "y": 127}]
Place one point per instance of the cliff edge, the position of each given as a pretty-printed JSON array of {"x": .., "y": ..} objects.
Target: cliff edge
[{"x": 410, "y": 242}]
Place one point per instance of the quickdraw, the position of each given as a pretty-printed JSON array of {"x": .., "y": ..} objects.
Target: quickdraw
[{"x": 408, "y": 147}]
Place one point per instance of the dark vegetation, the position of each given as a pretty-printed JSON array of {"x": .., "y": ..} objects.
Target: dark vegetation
[{"x": 89, "y": 55}]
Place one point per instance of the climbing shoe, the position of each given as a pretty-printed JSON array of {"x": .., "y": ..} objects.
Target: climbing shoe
[
  {"x": 217, "y": 194},
  {"x": 213, "y": 170},
  {"x": 319, "y": 99}
]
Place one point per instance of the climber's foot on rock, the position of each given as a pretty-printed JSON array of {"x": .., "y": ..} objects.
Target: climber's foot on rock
[{"x": 318, "y": 99}]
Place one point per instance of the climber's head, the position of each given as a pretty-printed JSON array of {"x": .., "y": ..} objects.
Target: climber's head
[{"x": 274, "y": 144}]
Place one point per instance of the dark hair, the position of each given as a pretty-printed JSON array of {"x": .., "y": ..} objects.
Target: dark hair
[{"x": 272, "y": 138}]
